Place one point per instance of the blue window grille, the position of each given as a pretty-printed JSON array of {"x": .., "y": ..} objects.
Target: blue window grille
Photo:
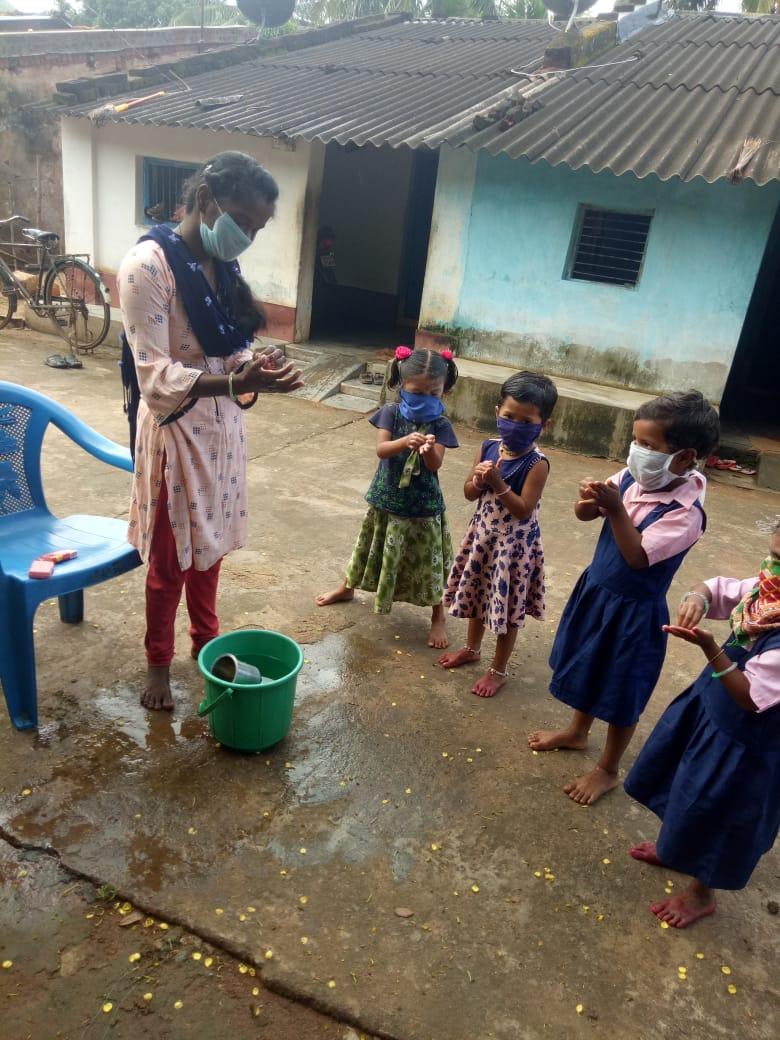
[
  {"x": 163, "y": 181},
  {"x": 609, "y": 246}
]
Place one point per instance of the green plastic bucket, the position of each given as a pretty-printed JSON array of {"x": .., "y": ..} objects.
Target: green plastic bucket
[{"x": 254, "y": 716}]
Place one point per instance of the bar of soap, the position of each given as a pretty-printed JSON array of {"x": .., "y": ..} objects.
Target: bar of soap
[{"x": 41, "y": 569}]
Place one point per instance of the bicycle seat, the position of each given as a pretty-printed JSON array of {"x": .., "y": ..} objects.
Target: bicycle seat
[{"x": 44, "y": 237}]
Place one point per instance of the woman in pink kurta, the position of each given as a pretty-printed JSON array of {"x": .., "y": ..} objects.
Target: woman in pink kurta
[{"x": 189, "y": 319}]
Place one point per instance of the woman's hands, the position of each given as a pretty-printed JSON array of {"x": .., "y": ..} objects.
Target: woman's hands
[{"x": 268, "y": 372}]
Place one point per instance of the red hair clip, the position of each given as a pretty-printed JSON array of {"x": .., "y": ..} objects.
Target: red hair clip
[
  {"x": 447, "y": 355},
  {"x": 402, "y": 353}
]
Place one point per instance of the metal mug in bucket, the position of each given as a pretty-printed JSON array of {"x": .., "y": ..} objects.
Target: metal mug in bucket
[{"x": 230, "y": 669}]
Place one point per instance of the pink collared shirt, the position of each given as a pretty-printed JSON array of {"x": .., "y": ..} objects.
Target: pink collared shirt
[
  {"x": 763, "y": 670},
  {"x": 679, "y": 529}
]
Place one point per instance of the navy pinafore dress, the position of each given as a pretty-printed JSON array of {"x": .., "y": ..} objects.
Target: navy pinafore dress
[
  {"x": 609, "y": 648},
  {"x": 711, "y": 771}
]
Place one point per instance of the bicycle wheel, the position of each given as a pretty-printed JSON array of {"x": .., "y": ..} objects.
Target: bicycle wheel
[
  {"x": 80, "y": 313},
  {"x": 8, "y": 298}
]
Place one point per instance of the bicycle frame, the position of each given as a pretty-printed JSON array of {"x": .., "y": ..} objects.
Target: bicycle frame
[{"x": 45, "y": 261}]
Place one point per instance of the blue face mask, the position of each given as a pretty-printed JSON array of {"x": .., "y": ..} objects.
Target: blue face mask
[
  {"x": 420, "y": 408},
  {"x": 225, "y": 240},
  {"x": 518, "y": 436}
]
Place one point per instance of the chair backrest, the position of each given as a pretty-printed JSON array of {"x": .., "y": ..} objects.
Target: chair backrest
[{"x": 22, "y": 428}]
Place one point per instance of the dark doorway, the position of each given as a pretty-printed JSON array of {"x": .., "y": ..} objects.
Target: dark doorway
[
  {"x": 375, "y": 217},
  {"x": 752, "y": 396}
]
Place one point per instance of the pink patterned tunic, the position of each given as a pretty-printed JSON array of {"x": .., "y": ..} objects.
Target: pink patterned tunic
[{"x": 204, "y": 450}]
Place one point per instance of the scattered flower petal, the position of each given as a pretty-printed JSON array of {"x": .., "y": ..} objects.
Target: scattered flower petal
[
  {"x": 475, "y": 888},
  {"x": 664, "y": 924},
  {"x": 732, "y": 988},
  {"x": 606, "y": 861},
  {"x": 269, "y": 955},
  {"x": 163, "y": 926},
  {"x": 197, "y": 955},
  {"x": 699, "y": 956},
  {"x": 255, "y": 991},
  {"x": 8, "y": 964},
  {"x": 25, "y": 792},
  {"x": 179, "y": 1004},
  {"x": 304, "y": 940},
  {"x": 208, "y": 962},
  {"x": 331, "y": 983},
  {"x": 218, "y": 911},
  {"x": 725, "y": 969},
  {"x": 302, "y": 851},
  {"x": 134, "y": 957},
  {"x": 108, "y": 1007},
  {"x": 148, "y": 997},
  {"x": 303, "y": 900},
  {"x": 579, "y": 1009}
]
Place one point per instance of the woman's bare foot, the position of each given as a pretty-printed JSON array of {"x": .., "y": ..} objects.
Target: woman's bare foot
[
  {"x": 552, "y": 739},
  {"x": 587, "y": 789},
  {"x": 456, "y": 658},
  {"x": 489, "y": 685},
  {"x": 157, "y": 692},
  {"x": 438, "y": 634},
  {"x": 680, "y": 911},
  {"x": 343, "y": 594},
  {"x": 646, "y": 852}
]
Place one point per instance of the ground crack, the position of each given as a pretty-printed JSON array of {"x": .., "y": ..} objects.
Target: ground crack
[{"x": 219, "y": 942}]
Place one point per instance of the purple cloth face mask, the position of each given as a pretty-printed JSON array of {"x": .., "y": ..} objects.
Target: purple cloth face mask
[{"x": 518, "y": 436}]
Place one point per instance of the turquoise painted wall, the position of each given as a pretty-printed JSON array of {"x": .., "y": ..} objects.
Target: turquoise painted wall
[{"x": 679, "y": 327}]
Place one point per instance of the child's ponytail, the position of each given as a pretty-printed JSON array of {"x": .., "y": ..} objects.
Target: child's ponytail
[{"x": 431, "y": 363}]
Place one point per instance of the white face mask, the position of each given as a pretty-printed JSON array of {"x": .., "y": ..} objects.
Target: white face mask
[{"x": 650, "y": 469}]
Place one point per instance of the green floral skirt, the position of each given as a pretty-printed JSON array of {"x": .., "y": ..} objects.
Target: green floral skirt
[{"x": 401, "y": 558}]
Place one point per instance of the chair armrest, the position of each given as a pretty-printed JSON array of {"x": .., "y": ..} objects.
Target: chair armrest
[{"x": 90, "y": 440}]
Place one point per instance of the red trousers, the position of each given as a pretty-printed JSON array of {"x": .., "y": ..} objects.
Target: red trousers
[{"x": 164, "y": 582}]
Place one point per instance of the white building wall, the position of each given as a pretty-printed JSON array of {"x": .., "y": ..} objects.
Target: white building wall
[{"x": 102, "y": 184}]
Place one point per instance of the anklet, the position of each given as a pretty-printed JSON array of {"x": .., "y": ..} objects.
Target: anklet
[
  {"x": 476, "y": 653},
  {"x": 501, "y": 675}
]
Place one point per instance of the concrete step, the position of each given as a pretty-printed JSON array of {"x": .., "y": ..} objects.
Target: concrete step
[
  {"x": 325, "y": 375},
  {"x": 355, "y": 388},
  {"x": 301, "y": 354},
  {"x": 349, "y": 403}
]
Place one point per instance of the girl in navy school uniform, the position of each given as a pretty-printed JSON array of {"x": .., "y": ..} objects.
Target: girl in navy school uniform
[
  {"x": 498, "y": 575},
  {"x": 609, "y": 648},
  {"x": 711, "y": 767}
]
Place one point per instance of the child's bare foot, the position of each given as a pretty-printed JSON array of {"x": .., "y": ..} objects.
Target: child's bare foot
[
  {"x": 490, "y": 683},
  {"x": 343, "y": 594},
  {"x": 646, "y": 852},
  {"x": 438, "y": 634},
  {"x": 456, "y": 658},
  {"x": 587, "y": 789},
  {"x": 157, "y": 692},
  {"x": 689, "y": 906},
  {"x": 551, "y": 739}
]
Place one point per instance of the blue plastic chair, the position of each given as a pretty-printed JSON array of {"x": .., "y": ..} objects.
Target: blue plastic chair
[{"x": 28, "y": 529}]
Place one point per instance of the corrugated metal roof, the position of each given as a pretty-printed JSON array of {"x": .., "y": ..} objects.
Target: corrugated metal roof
[
  {"x": 677, "y": 99},
  {"x": 390, "y": 84},
  {"x": 700, "y": 85}
]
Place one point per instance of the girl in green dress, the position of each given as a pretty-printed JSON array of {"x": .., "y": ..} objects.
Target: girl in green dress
[{"x": 404, "y": 552}]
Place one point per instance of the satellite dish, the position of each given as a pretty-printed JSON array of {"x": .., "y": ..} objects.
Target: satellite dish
[
  {"x": 268, "y": 14},
  {"x": 563, "y": 8}
]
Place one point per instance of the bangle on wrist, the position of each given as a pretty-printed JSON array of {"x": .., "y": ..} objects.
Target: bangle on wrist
[
  {"x": 715, "y": 656},
  {"x": 731, "y": 668},
  {"x": 506, "y": 491},
  {"x": 698, "y": 595},
  {"x": 231, "y": 391}
]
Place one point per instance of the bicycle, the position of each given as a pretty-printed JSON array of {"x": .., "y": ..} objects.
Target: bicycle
[{"x": 68, "y": 290}]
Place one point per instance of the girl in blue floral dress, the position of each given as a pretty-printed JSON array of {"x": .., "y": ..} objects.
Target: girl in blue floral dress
[
  {"x": 404, "y": 552},
  {"x": 498, "y": 576}
]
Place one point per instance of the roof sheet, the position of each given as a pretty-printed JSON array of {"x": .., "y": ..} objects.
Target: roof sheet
[
  {"x": 391, "y": 84},
  {"x": 678, "y": 99}
]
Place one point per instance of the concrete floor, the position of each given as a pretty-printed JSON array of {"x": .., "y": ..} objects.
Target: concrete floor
[{"x": 395, "y": 788}]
